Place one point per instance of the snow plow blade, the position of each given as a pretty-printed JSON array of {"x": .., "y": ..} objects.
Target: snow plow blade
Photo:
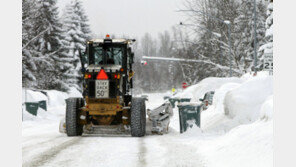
[
  {"x": 107, "y": 130},
  {"x": 160, "y": 118}
]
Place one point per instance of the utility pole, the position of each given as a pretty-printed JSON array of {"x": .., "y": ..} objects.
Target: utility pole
[{"x": 255, "y": 38}]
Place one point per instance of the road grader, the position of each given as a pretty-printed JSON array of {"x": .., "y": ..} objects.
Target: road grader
[{"x": 108, "y": 104}]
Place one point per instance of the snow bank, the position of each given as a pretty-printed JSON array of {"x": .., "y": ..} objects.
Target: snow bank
[
  {"x": 42, "y": 115},
  {"x": 219, "y": 95},
  {"x": 55, "y": 103},
  {"x": 244, "y": 102},
  {"x": 244, "y": 146},
  {"x": 52, "y": 97},
  {"x": 266, "y": 112},
  {"x": 237, "y": 130},
  {"x": 209, "y": 84},
  {"x": 57, "y": 98},
  {"x": 32, "y": 96}
]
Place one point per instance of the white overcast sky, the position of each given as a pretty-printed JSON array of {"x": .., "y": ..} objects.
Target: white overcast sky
[{"x": 130, "y": 17}]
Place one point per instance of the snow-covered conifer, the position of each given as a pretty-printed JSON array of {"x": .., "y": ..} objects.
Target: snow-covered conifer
[
  {"x": 268, "y": 46},
  {"x": 48, "y": 45},
  {"x": 28, "y": 63},
  {"x": 77, "y": 32}
]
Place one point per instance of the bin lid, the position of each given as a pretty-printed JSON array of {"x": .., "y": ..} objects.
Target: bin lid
[{"x": 193, "y": 104}]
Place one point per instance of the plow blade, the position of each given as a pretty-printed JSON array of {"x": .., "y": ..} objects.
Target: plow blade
[
  {"x": 107, "y": 130},
  {"x": 160, "y": 118}
]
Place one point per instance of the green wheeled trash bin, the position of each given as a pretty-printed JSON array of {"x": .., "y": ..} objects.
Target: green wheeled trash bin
[
  {"x": 185, "y": 100},
  {"x": 32, "y": 107},
  {"x": 188, "y": 116},
  {"x": 173, "y": 101},
  {"x": 42, "y": 104}
]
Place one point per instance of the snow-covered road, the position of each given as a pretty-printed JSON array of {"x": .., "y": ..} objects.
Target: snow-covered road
[
  {"x": 236, "y": 130},
  {"x": 43, "y": 145}
]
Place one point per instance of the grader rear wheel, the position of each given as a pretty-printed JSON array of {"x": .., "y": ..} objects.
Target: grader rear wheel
[{"x": 73, "y": 128}]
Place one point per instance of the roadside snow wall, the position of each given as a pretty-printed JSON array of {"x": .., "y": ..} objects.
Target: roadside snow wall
[
  {"x": 195, "y": 92},
  {"x": 244, "y": 102},
  {"x": 237, "y": 130}
]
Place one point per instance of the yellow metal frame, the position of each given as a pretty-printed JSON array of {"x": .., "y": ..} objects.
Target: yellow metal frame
[{"x": 103, "y": 107}]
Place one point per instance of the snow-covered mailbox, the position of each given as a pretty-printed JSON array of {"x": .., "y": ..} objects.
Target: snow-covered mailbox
[{"x": 189, "y": 115}]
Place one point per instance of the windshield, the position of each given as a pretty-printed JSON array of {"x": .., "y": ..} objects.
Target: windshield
[{"x": 108, "y": 55}]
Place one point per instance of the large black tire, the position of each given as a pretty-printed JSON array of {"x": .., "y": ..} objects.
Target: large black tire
[
  {"x": 138, "y": 117},
  {"x": 72, "y": 117}
]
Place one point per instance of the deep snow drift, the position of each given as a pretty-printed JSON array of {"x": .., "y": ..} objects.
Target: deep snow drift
[{"x": 237, "y": 130}]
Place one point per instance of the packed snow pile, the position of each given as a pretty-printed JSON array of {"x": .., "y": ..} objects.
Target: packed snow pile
[
  {"x": 197, "y": 91},
  {"x": 32, "y": 96},
  {"x": 266, "y": 112},
  {"x": 244, "y": 146},
  {"x": 237, "y": 130},
  {"x": 244, "y": 102}
]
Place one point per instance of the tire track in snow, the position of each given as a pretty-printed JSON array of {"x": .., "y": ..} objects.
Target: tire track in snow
[
  {"x": 50, "y": 153},
  {"x": 27, "y": 148},
  {"x": 142, "y": 153},
  {"x": 179, "y": 154}
]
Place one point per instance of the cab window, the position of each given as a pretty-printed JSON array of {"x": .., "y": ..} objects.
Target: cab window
[{"x": 108, "y": 55}]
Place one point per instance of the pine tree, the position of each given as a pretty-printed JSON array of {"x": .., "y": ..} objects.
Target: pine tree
[
  {"x": 28, "y": 63},
  {"x": 48, "y": 46},
  {"x": 268, "y": 46},
  {"x": 85, "y": 28},
  {"x": 244, "y": 32},
  {"x": 77, "y": 32}
]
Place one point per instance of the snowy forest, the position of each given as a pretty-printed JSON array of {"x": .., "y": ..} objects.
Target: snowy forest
[{"x": 51, "y": 44}]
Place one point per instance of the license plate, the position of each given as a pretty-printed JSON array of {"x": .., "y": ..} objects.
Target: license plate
[{"x": 102, "y": 89}]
